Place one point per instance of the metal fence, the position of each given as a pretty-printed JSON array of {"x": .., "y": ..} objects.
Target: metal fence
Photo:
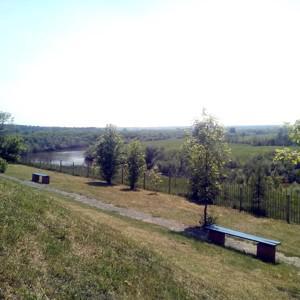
[{"x": 274, "y": 203}]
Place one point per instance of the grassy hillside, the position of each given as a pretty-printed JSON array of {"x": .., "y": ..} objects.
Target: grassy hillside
[
  {"x": 52, "y": 247},
  {"x": 170, "y": 207},
  {"x": 48, "y": 251}
]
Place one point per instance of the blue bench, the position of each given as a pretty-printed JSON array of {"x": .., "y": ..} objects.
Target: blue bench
[
  {"x": 266, "y": 249},
  {"x": 36, "y": 178}
]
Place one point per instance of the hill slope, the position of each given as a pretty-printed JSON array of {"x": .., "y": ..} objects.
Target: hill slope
[
  {"x": 47, "y": 251},
  {"x": 52, "y": 247}
]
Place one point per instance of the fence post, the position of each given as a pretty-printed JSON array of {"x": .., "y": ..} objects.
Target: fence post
[
  {"x": 60, "y": 166},
  {"x": 122, "y": 175},
  {"x": 169, "y": 188},
  {"x": 88, "y": 170},
  {"x": 288, "y": 204},
  {"x": 40, "y": 164},
  {"x": 73, "y": 169},
  {"x": 241, "y": 198},
  {"x": 144, "y": 182}
]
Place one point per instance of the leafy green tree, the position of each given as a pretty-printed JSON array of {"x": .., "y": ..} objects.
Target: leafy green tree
[
  {"x": 108, "y": 153},
  {"x": 152, "y": 154},
  {"x": 155, "y": 178},
  {"x": 135, "y": 163},
  {"x": 90, "y": 154},
  {"x": 294, "y": 132},
  {"x": 11, "y": 146},
  {"x": 3, "y": 165},
  {"x": 207, "y": 154},
  {"x": 287, "y": 155},
  {"x": 287, "y": 160},
  {"x": 282, "y": 137},
  {"x": 5, "y": 118}
]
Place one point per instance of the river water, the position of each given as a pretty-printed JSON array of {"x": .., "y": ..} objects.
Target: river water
[{"x": 65, "y": 157}]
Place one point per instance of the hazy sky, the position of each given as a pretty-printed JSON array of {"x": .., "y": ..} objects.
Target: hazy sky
[{"x": 149, "y": 63}]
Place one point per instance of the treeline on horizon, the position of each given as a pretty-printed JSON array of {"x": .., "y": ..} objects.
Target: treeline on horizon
[
  {"x": 39, "y": 139},
  {"x": 168, "y": 159}
]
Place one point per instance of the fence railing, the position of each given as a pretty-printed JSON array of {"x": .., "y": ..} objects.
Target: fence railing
[{"x": 278, "y": 203}]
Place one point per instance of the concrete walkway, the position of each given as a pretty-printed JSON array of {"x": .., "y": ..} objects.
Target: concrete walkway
[{"x": 172, "y": 225}]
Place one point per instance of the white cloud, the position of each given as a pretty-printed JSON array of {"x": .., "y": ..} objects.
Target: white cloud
[{"x": 238, "y": 59}]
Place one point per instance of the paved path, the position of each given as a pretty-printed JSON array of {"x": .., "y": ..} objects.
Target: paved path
[{"x": 173, "y": 225}]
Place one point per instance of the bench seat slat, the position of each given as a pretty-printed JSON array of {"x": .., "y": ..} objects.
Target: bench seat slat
[
  {"x": 243, "y": 235},
  {"x": 40, "y": 174}
]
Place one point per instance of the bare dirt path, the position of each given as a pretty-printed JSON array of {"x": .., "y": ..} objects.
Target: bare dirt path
[{"x": 195, "y": 232}]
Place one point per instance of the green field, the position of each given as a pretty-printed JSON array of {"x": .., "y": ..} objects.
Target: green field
[
  {"x": 243, "y": 152},
  {"x": 240, "y": 152},
  {"x": 168, "y": 144},
  {"x": 52, "y": 247}
]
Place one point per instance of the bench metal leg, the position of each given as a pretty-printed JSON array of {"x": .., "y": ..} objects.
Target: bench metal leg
[
  {"x": 266, "y": 252},
  {"x": 45, "y": 179},
  {"x": 35, "y": 178},
  {"x": 217, "y": 237}
]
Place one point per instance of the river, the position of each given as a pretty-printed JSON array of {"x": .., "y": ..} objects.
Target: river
[{"x": 66, "y": 157}]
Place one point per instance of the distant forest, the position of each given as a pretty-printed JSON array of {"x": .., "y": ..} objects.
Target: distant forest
[
  {"x": 162, "y": 147},
  {"x": 39, "y": 139}
]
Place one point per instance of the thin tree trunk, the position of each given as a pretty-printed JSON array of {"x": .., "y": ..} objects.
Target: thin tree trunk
[{"x": 205, "y": 214}]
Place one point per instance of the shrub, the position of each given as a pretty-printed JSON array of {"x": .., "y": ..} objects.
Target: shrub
[
  {"x": 155, "y": 178},
  {"x": 3, "y": 165}
]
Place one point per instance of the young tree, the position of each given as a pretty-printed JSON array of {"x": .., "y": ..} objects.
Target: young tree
[
  {"x": 287, "y": 155},
  {"x": 135, "y": 163},
  {"x": 155, "y": 178},
  {"x": 5, "y": 117},
  {"x": 108, "y": 153},
  {"x": 151, "y": 156},
  {"x": 257, "y": 171},
  {"x": 207, "y": 154}
]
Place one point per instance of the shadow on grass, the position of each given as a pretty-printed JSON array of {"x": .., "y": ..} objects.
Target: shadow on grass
[
  {"x": 198, "y": 233},
  {"x": 129, "y": 190},
  {"x": 98, "y": 183}
]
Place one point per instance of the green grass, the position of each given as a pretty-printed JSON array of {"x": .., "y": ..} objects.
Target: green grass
[
  {"x": 48, "y": 251},
  {"x": 171, "y": 207},
  {"x": 241, "y": 152},
  {"x": 168, "y": 144},
  {"x": 52, "y": 247}
]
